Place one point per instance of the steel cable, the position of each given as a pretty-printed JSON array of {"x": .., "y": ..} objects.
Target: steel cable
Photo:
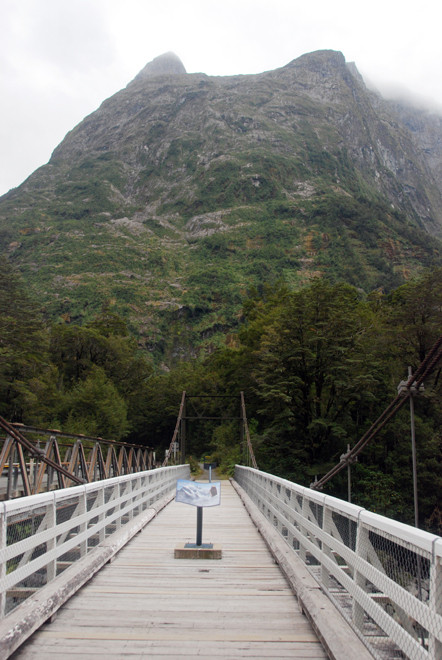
[{"x": 414, "y": 381}]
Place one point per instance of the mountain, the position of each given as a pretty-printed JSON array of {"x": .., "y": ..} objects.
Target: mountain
[{"x": 184, "y": 191}]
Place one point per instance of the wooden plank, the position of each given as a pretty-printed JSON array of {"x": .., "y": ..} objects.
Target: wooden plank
[
  {"x": 171, "y": 634},
  {"x": 147, "y": 603},
  {"x": 161, "y": 650}
]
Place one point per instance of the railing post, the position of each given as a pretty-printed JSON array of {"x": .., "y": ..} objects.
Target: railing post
[
  {"x": 82, "y": 508},
  {"x": 435, "y": 645},
  {"x": 288, "y": 502},
  {"x": 130, "y": 501},
  {"x": 99, "y": 503},
  {"x": 51, "y": 568},
  {"x": 137, "y": 487},
  {"x": 303, "y": 530},
  {"x": 361, "y": 552},
  {"x": 3, "y": 542},
  {"x": 327, "y": 527}
]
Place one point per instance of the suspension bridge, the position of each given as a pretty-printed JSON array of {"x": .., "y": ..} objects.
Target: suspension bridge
[{"x": 89, "y": 529}]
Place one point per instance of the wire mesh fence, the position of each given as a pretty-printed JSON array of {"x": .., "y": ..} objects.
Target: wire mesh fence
[
  {"x": 384, "y": 577},
  {"x": 43, "y": 535}
]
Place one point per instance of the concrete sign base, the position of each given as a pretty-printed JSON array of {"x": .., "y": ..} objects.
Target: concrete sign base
[{"x": 203, "y": 551}]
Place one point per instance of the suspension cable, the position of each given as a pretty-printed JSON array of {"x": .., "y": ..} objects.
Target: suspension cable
[
  {"x": 246, "y": 429},
  {"x": 177, "y": 428},
  {"x": 413, "y": 383}
]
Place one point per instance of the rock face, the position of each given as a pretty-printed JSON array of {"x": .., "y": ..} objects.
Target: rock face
[
  {"x": 167, "y": 64},
  {"x": 399, "y": 157},
  {"x": 183, "y": 190}
]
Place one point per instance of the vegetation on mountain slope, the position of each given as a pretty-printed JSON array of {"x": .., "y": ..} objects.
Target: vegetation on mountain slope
[
  {"x": 182, "y": 193},
  {"x": 317, "y": 365}
]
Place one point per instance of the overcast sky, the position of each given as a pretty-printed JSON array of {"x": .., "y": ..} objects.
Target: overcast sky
[{"x": 59, "y": 59}]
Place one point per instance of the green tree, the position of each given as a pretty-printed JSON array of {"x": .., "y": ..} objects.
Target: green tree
[
  {"x": 75, "y": 349},
  {"x": 105, "y": 343},
  {"x": 95, "y": 407},
  {"x": 415, "y": 316},
  {"x": 314, "y": 375}
]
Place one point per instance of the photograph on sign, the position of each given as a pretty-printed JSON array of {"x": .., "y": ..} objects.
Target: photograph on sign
[{"x": 198, "y": 494}]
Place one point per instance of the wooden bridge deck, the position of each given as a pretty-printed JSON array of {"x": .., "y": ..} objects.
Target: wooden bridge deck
[{"x": 147, "y": 604}]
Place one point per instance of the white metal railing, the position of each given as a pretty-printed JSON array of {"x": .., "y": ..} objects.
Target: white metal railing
[
  {"x": 385, "y": 577},
  {"x": 43, "y": 535}
]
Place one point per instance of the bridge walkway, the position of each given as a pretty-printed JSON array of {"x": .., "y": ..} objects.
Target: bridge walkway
[{"x": 147, "y": 604}]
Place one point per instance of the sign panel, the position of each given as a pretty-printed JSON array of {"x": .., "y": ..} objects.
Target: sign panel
[{"x": 198, "y": 494}]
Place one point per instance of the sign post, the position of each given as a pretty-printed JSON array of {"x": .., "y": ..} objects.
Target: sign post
[
  {"x": 199, "y": 495},
  {"x": 199, "y": 526}
]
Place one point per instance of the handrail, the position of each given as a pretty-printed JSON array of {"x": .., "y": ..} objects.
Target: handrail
[
  {"x": 385, "y": 577},
  {"x": 71, "y": 521},
  {"x": 51, "y": 543}
]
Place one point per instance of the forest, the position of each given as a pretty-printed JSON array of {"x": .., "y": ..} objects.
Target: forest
[{"x": 317, "y": 366}]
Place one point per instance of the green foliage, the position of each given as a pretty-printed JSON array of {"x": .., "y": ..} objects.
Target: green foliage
[
  {"x": 309, "y": 370},
  {"x": 149, "y": 267},
  {"x": 317, "y": 364},
  {"x": 195, "y": 468},
  {"x": 379, "y": 492},
  {"x": 92, "y": 197},
  {"x": 318, "y": 367},
  {"x": 164, "y": 391},
  {"x": 23, "y": 347},
  {"x": 106, "y": 344},
  {"x": 94, "y": 407},
  {"x": 226, "y": 451},
  {"x": 416, "y": 315}
]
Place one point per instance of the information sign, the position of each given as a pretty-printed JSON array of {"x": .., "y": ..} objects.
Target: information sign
[{"x": 198, "y": 494}]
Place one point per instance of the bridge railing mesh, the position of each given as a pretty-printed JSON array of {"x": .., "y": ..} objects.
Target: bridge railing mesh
[
  {"x": 384, "y": 577},
  {"x": 43, "y": 535}
]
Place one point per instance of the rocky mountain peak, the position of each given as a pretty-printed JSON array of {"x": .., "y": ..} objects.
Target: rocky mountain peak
[
  {"x": 164, "y": 65},
  {"x": 323, "y": 61},
  {"x": 182, "y": 192}
]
